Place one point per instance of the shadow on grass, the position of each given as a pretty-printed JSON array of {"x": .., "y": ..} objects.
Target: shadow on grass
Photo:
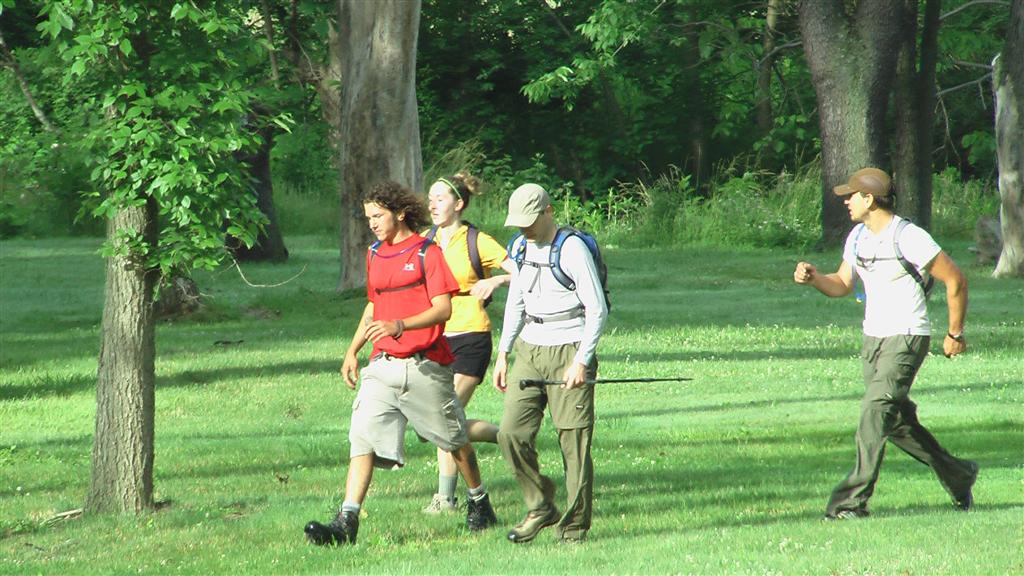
[
  {"x": 727, "y": 406},
  {"x": 745, "y": 355},
  {"x": 48, "y": 385}
]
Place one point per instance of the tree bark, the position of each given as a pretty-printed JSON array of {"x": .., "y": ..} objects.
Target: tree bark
[
  {"x": 8, "y": 60},
  {"x": 852, "y": 58},
  {"x": 122, "y": 453},
  {"x": 765, "y": 117},
  {"x": 915, "y": 113},
  {"x": 379, "y": 137},
  {"x": 1009, "y": 90},
  {"x": 696, "y": 105},
  {"x": 270, "y": 244}
]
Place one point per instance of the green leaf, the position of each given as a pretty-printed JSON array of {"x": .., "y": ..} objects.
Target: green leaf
[
  {"x": 179, "y": 11},
  {"x": 126, "y": 47},
  {"x": 62, "y": 17}
]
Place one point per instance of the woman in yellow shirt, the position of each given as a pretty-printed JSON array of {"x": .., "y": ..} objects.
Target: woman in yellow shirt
[{"x": 469, "y": 328}]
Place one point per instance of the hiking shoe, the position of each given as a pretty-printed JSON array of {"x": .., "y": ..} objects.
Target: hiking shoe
[
  {"x": 578, "y": 538},
  {"x": 341, "y": 530},
  {"x": 480, "y": 514},
  {"x": 848, "y": 515},
  {"x": 441, "y": 505},
  {"x": 531, "y": 525},
  {"x": 966, "y": 500}
]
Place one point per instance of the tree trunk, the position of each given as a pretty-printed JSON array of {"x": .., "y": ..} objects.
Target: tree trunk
[
  {"x": 765, "y": 117},
  {"x": 122, "y": 452},
  {"x": 915, "y": 113},
  {"x": 269, "y": 244},
  {"x": 852, "y": 59},
  {"x": 12, "y": 63},
  {"x": 695, "y": 105},
  {"x": 379, "y": 137},
  {"x": 1009, "y": 89}
]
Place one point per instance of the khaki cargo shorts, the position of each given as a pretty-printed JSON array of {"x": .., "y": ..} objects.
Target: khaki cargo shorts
[{"x": 396, "y": 391}]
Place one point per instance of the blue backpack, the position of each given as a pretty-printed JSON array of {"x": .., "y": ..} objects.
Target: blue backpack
[{"x": 517, "y": 253}]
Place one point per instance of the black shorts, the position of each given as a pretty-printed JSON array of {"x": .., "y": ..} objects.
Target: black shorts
[{"x": 472, "y": 352}]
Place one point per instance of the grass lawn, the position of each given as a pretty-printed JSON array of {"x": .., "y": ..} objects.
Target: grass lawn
[{"x": 728, "y": 473}]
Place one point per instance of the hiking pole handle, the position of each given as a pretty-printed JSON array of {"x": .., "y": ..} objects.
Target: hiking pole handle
[{"x": 538, "y": 383}]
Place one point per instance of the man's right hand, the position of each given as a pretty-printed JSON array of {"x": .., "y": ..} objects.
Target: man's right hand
[
  {"x": 500, "y": 372},
  {"x": 350, "y": 370},
  {"x": 805, "y": 273}
]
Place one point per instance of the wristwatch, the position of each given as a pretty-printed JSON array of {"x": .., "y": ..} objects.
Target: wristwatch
[{"x": 958, "y": 337}]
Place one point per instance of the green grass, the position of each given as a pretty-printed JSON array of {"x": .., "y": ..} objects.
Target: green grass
[{"x": 728, "y": 473}]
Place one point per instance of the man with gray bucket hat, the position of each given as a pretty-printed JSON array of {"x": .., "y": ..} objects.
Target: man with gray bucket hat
[{"x": 555, "y": 311}]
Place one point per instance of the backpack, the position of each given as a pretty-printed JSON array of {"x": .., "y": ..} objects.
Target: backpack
[
  {"x": 517, "y": 253},
  {"x": 926, "y": 287},
  {"x": 472, "y": 243},
  {"x": 422, "y": 251}
]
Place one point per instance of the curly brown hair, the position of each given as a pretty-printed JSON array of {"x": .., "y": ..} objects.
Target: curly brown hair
[{"x": 399, "y": 199}]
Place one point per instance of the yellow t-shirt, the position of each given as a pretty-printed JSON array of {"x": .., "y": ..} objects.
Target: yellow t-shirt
[{"x": 468, "y": 313}]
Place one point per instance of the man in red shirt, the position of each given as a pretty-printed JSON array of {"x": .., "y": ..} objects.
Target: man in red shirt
[{"x": 408, "y": 379}]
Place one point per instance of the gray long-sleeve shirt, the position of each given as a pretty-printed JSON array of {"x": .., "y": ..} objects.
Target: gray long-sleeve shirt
[{"x": 535, "y": 291}]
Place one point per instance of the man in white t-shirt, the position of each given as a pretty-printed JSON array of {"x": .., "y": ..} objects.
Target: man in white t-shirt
[{"x": 893, "y": 257}]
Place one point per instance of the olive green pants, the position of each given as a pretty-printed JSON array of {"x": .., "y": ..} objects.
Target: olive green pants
[
  {"x": 572, "y": 414},
  {"x": 888, "y": 414}
]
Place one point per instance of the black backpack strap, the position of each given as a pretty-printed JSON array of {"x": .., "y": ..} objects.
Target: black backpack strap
[
  {"x": 431, "y": 234},
  {"x": 926, "y": 287},
  {"x": 472, "y": 242}
]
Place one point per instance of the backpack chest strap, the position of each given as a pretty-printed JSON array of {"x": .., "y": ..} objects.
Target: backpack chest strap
[{"x": 572, "y": 313}]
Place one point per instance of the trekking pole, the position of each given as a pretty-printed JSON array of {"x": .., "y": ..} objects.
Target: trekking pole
[{"x": 524, "y": 384}]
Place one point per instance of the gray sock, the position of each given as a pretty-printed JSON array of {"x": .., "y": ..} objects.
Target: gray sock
[
  {"x": 350, "y": 507},
  {"x": 478, "y": 493},
  {"x": 446, "y": 486}
]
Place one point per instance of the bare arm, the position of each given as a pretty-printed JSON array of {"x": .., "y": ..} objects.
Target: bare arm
[
  {"x": 835, "y": 285},
  {"x": 350, "y": 365},
  {"x": 484, "y": 288},
  {"x": 946, "y": 271}
]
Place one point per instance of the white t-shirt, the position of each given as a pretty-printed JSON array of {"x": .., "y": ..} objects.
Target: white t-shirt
[
  {"x": 895, "y": 303},
  {"x": 535, "y": 291}
]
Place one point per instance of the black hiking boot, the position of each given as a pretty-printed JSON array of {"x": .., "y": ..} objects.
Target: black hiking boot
[
  {"x": 341, "y": 530},
  {"x": 480, "y": 514},
  {"x": 965, "y": 501}
]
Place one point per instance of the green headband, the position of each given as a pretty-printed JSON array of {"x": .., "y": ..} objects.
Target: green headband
[{"x": 452, "y": 186}]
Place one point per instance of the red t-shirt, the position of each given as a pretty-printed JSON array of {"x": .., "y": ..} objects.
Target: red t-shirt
[{"x": 397, "y": 265}]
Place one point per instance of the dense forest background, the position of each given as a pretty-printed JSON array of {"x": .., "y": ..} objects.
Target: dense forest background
[{"x": 628, "y": 110}]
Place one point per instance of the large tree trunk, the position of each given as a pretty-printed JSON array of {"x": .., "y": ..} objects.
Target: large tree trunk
[
  {"x": 269, "y": 244},
  {"x": 380, "y": 133},
  {"x": 1009, "y": 89},
  {"x": 915, "y": 113},
  {"x": 122, "y": 452},
  {"x": 765, "y": 117},
  {"x": 852, "y": 58},
  {"x": 696, "y": 106}
]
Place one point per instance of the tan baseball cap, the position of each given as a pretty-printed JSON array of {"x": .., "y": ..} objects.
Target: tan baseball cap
[
  {"x": 525, "y": 204},
  {"x": 867, "y": 181}
]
